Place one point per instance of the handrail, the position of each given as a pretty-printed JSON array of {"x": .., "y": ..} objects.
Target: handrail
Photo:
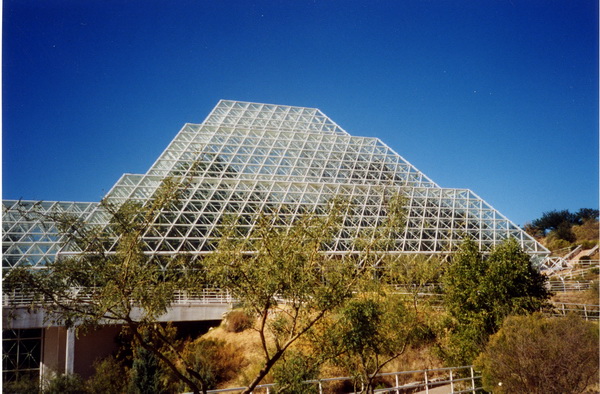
[
  {"x": 180, "y": 297},
  {"x": 586, "y": 311},
  {"x": 573, "y": 252},
  {"x": 453, "y": 379},
  {"x": 569, "y": 285},
  {"x": 574, "y": 273}
]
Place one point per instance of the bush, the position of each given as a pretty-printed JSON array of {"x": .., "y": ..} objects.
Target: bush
[
  {"x": 588, "y": 244},
  {"x": 554, "y": 243},
  {"x": 480, "y": 292},
  {"x": 146, "y": 373},
  {"x": 588, "y": 231},
  {"x": 293, "y": 371},
  {"x": 108, "y": 377},
  {"x": 534, "y": 354},
  {"x": 237, "y": 321},
  {"x": 24, "y": 385},
  {"x": 65, "y": 384}
]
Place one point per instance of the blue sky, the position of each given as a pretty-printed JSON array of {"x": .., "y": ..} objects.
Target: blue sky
[{"x": 500, "y": 97}]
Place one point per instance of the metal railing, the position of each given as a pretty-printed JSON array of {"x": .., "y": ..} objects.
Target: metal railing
[
  {"x": 578, "y": 273},
  {"x": 587, "y": 263},
  {"x": 460, "y": 379},
  {"x": 22, "y": 298},
  {"x": 204, "y": 296},
  {"x": 586, "y": 311},
  {"x": 569, "y": 285},
  {"x": 572, "y": 253}
]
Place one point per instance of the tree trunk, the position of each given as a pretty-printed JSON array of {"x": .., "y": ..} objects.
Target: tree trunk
[{"x": 263, "y": 372}]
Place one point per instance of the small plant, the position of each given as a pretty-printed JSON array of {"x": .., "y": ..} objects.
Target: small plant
[
  {"x": 66, "y": 384},
  {"x": 23, "y": 385},
  {"x": 237, "y": 321},
  {"x": 293, "y": 371},
  {"x": 108, "y": 377},
  {"x": 554, "y": 243},
  {"x": 588, "y": 244}
]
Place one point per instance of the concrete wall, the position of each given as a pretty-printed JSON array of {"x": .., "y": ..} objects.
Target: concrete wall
[
  {"x": 92, "y": 346},
  {"x": 53, "y": 351},
  {"x": 21, "y": 317},
  {"x": 62, "y": 352}
]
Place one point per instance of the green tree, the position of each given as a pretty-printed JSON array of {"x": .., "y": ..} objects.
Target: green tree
[
  {"x": 585, "y": 214},
  {"x": 534, "y": 354},
  {"x": 279, "y": 269},
  {"x": 416, "y": 275},
  {"x": 481, "y": 291},
  {"x": 146, "y": 373},
  {"x": 109, "y": 377},
  {"x": 369, "y": 332},
  {"x": 280, "y": 274},
  {"x": 552, "y": 219},
  {"x": 295, "y": 369},
  {"x": 107, "y": 277}
]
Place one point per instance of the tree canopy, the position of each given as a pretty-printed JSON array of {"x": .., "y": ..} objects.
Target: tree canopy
[
  {"x": 552, "y": 220},
  {"x": 110, "y": 280},
  {"x": 279, "y": 271},
  {"x": 481, "y": 291}
]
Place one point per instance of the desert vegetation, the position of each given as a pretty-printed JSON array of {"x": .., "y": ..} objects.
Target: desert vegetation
[
  {"x": 302, "y": 313},
  {"x": 566, "y": 230}
]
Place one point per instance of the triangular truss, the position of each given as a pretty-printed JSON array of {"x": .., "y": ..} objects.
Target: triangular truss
[{"x": 247, "y": 158}]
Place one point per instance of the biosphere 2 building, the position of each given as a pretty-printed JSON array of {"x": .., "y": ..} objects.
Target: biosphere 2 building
[{"x": 249, "y": 158}]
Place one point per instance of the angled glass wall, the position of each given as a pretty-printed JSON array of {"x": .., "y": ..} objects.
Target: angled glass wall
[{"x": 247, "y": 158}]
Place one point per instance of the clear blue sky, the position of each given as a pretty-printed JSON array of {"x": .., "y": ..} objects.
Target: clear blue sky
[{"x": 500, "y": 97}]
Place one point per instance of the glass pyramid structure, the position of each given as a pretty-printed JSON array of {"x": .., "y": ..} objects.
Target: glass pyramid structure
[{"x": 247, "y": 158}]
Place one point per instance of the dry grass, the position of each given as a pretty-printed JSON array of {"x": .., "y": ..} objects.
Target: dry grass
[
  {"x": 248, "y": 342},
  {"x": 576, "y": 297},
  {"x": 588, "y": 231}
]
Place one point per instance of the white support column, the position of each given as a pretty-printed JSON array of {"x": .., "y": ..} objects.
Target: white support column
[{"x": 70, "y": 351}]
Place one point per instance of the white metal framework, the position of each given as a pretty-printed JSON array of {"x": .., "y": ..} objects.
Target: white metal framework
[{"x": 247, "y": 158}]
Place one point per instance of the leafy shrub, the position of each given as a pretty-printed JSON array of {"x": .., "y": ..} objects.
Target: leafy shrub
[
  {"x": 588, "y": 244},
  {"x": 237, "y": 321},
  {"x": 554, "y": 243},
  {"x": 146, "y": 373},
  {"x": 65, "y": 384},
  {"x": 480, "y": 292},
  {"x": 24, "y": 385},
  {"x": 534, "y": 354},
  {"x": 564, "y": 231},
  {"x": 295, "y": 369},
  {"x": 108, "y": 377}
]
